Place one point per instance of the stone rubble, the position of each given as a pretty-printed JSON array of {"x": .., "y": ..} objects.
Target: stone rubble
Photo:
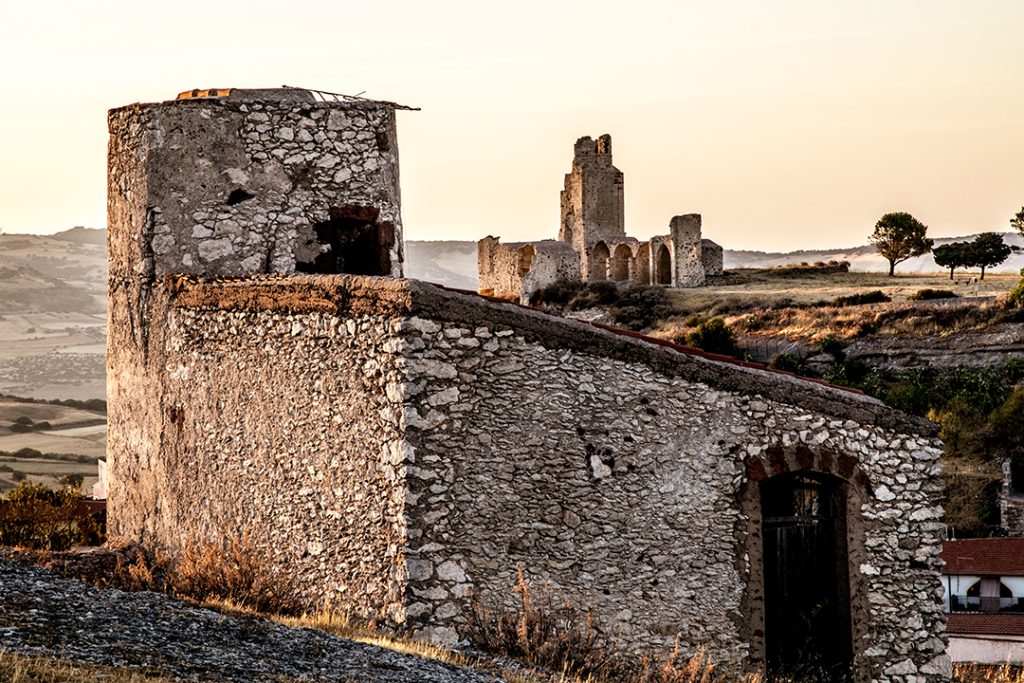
[{"x": 46, "y": 615}]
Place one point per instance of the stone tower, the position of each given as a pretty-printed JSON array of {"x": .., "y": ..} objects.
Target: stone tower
[
  {"x": 245, "y": 182},
  {"x": 593, "y": 208}
]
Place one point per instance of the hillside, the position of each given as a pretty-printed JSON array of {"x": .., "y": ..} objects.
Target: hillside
[{"x": 53, "y": 299}]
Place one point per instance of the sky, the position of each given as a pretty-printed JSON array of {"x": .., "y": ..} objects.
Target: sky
[{"x": 787, "y": 124}]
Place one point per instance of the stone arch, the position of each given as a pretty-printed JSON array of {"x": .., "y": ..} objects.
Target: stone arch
[
  {"x": 621, "y": 263},
  {"x": 842, "y": 478},
  {"x": 599, "y": 256},
  {"x": 642, "y": 272},
  {"x": 663, "y": 266}
]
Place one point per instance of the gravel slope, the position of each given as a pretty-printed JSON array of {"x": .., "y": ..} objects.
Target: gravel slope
[{"x": 43, "y": 614}]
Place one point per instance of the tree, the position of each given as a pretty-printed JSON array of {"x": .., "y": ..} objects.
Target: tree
[
  {"x": 953, "y": 255},
  {"x": 898, "y": 237},
  {"x": 988, "y": 249},
  {"x": 1017, "y": 222}
]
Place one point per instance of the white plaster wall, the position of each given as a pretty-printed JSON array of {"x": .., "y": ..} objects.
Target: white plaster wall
[{"x": 986, "y": 649}]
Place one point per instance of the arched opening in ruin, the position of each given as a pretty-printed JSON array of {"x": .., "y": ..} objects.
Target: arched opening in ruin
[
  {"x": 663, "y": 266},
  {"x": 350, "y": 241},
  {"x": 642, "y": 271},
  {"x": 599, "y": 257},
  {"x": 526, "y": 259},
  {"x": 619, "y": 267},
  {"x": 807, "y": 622}
]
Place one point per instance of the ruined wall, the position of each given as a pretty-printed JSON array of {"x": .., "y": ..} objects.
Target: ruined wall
[
  {"x": 257, "y": 182},
  {"x": 712, "y": 257},
  {"x": 1011, "y": 502},
  {"x": 620, "y": 487},
  {"x": 687, "y": 262},
  {"x": 275, "y": 428},
  {"x": 514, "y": 271}
]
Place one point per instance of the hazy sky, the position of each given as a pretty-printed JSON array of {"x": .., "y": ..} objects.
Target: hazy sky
[{"x": 786, "y": 124}]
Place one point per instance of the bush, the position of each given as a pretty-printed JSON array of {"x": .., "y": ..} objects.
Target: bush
[
  {"x": 640, "y": 306},
  {"x": 713, "y": 336},
  {"x": 603, "y": 293},
  {"x": 833, "y": 347},
  {"x": 874, "y": 297},
  {"x": 19, "y": 428},
  {"x": 27, "y": 453},
  {"x": 788, "y": 363},
  {"x": 42, "y": 426},
  {"x": 558, "y": 294},
  {"x": 23, "y": 421},
  {"x": 932, "y": 294},
  {"x": 34, "y": 516},
  {"x": 1016, "y": 296}
]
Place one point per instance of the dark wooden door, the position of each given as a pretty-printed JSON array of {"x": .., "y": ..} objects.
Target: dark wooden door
[{"x": 806, "y": 577}]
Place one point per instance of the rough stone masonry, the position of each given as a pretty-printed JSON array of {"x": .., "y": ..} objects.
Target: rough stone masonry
[{"x": 400, "y": 450}]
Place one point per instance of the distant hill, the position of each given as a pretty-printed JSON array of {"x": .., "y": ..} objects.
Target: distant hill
[{"x": 866, "y": 258}]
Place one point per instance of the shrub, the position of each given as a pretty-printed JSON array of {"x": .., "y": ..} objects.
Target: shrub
[
  {"x": 34, "y": 516},
  {"x": 23, "y": 421},
  {"x": 874, "y": 297},
  {"x": 713, "y": 336},
  {"x": 788, "y": 362},
  {"x": 640, "y": 306},
  {"x": 932, "y": 294},
  {"x": 27, "y": 453},
  {"x": 558, "y": 294},
  {"x": 603, "y": 293},
  {"x": 18, "y": 476},
  {"x": 19, "y": 428},
  {"x": 42, "y": 426},
  {"x": 832, "y": 346},
  {"x": 1016, "y": 296}
]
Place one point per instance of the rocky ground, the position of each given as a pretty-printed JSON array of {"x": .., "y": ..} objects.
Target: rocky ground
[{"x": 43, "y": 614}]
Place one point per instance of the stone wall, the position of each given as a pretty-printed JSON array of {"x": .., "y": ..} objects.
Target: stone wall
[
  {"x": 256, "y": 182},
  {"x": 712, "y": 257},
  {"x": 620, "y": 486},
  {"x": 515, "y": 271},
  {"x": 273, "y": 428},
  {"x": 686, "y": 243}
]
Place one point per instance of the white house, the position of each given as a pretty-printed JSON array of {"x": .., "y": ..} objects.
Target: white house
[{"x": 984, "y": 580}]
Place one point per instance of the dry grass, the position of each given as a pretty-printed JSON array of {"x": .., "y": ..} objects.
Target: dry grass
[
  {"x": 207, "y": 573},
  {"x": 16, "y": 668},
  {"x": 979, "y": 673}
]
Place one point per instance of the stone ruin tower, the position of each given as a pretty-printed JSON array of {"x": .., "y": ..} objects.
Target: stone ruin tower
[
  {"x": 593, "y": 205},
  {"x": 244, "y": 182}
]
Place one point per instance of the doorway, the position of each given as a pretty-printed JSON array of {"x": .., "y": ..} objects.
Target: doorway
[{"x": 806, "y": 577}]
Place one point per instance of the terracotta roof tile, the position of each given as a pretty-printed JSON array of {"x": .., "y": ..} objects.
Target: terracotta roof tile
[
  {"x": 986, "y": 624},
  {"x": 984, "y": 557}
]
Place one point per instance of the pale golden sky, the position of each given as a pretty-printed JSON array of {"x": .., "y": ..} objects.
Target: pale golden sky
[{"x": 791, "y": 124}]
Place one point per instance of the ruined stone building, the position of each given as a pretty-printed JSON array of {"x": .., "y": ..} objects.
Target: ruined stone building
[
  {"x": 397, "y": 449},
  {"x": 592, "y": 244}
]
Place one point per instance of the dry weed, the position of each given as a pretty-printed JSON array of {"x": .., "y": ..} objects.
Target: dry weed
[
  {"x": 980, "y": 673},
  {"x": 16, "y": 668}
]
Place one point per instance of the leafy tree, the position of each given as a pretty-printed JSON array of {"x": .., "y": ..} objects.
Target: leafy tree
[
  {"x": 1017, "y": 222},
  {"x": 954, "y": 255},
  {"x": 898, "y": 237},
  {"x": 988, "y": 249}
]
